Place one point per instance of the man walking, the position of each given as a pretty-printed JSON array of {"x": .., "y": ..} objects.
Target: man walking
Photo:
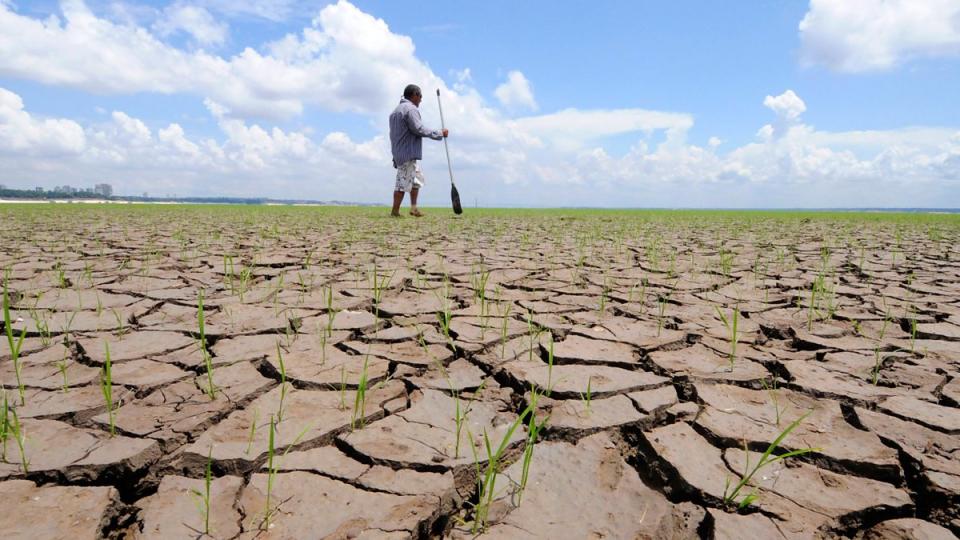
[{"x": 406, "y": 141}]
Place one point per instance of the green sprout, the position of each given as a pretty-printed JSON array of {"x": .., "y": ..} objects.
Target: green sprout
[
  {"x": 16, "y": 429},
  {"x": 730, "y": 496},
  {"x": 588, "y": 397},
  {"x": 533, "y": 433},
  {"x": 732, "y": 325},
  {"x": 203, "y": 499},
  {"x": 207, "y": 359},
  {"x": 283, "y": 383},
  {"x": 106, "y": 387},
  {"x": 360, "y": 399},
  {"x": 253, "y": 431},
  {"x": 771, "y": 390},
  {"x": 15, "y": 344}
]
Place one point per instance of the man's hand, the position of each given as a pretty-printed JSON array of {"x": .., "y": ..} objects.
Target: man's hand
[{"x": 446, "y": 132}]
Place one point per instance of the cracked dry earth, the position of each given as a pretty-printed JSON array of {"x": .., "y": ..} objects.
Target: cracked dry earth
[{"x": 363, "y": 340}]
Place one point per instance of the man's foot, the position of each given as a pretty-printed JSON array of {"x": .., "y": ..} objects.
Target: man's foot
[
  {"x": 416, "y": 213},
  {"x": 395, "y": 214}
]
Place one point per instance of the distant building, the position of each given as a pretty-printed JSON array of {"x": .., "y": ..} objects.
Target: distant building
[{"x": 104, "y": 190}]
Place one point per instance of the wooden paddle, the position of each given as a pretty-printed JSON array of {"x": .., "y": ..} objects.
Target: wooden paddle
[{"x": 454, "y": 194}]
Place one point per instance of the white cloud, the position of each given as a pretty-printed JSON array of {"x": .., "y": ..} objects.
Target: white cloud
[
  {"x": 132, "y": 127},
  {"x": 349, "y": 61},
  {"x": 374, "y": 151},
  {"x": 194, "y": 20},
  {"x": 516, "y": 92},
  {"x": 22, "y": 132},
  {"x": 800, "y": 167},
  {"x": 787, "y": 105},
  {"x": 173, "y": 135},
  {"x": 869, "y": 35},
  {"x": 572, "y": 128}
]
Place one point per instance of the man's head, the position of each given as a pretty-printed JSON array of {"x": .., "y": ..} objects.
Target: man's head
[{"x": 412, "y": 92}]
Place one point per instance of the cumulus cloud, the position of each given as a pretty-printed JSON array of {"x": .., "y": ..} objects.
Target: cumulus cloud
[
  {"x": 347, "y": 61},
  {"x": 787, "y": 105},
  {"x": 870, "y": 35},
  {"x": 350, "y": 61},
  {"x": 516, "y": 92},
  {"x": 193, "y": 20},
  {"x": 572, "y": 128},
  {"x": 22, "y": 132},
  {"x": 133, "y": 127}
]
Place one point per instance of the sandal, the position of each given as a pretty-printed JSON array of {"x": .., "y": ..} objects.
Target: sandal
[{"x": 416, "y": 213}]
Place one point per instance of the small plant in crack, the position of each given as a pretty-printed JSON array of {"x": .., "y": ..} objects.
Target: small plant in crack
[
  {"x": 283, "y": 383},
  {"x": 43, "y": 327},
  {"x": 912, "y": 312},
  {"x": 550, "y": 357},
  {"x": 331, "y": 311},
  {"x": 253, "y": 431},
  {"x": 877, "y": 366},
  {"x": 733, "y": 496},
  {"x": 106, "y": 387},
  {"x": 460, "y": 412},
  {"x": 273, "y": 466},
  {"x": 533, "y": 334},
  {"x": 533, "y": 433},
  {"x": 15, "y": 428},
  {"x": 203, "y": 498},
  {"x": 61, "y": 274},
  {"x": 360, "y": 398},
  {"x": 662, "y": 308},
  {"x": 246, "y": 274},
  {"x": 487, "y": 476},
  {"x": 62, "y": 367},
  {"x": 479, "y": 281},
  {"x": 4, "y": 424},
  {"x": 343, "y": 386},
  {"x": 323, "y": 348},
  {"x": 121, "y": 324},
  {"x": 503, "y": 331},
  {"x": 732, "y": 324},
  {"x": 773, "y": 391},
  {"x": 15, "y": 344},
  {"x": 271, "y": 474},
  {"x": 587, "y": 397},
  {"x": 207, "y": 359},
  {"x": 379, "y": 284},
  {"x": 602, "y": 307}
]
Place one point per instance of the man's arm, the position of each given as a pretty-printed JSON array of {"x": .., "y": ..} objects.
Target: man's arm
[{"x": 416, "y": 125}]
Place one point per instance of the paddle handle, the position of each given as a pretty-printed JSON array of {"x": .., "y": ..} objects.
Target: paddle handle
[{"x": 445, "y": 147}]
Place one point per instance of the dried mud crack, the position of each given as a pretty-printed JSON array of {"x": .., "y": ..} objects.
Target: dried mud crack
[{"x": 357, "y": 377}]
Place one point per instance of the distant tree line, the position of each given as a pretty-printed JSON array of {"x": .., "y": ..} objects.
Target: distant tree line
[
  {"x": 99, "y": 191},
  {"x": 105, "y": 191}
]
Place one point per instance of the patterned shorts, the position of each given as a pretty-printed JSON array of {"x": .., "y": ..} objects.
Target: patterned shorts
[{"x": 409, "y": 176}]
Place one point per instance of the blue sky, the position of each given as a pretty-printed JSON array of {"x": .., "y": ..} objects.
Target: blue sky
[{"x": 744, "y": 104}]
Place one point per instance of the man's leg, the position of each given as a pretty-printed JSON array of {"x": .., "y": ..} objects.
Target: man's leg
[
  {"x": 415, "y": 190},
  {"x": 397, "y": 200},
  {"x": 413, "y": 200}
]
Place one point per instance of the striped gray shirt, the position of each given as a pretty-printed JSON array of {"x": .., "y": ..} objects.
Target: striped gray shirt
[{"x": 407, "y": 132}]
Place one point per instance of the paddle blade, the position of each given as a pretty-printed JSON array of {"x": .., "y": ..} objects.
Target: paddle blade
[{"x": 455, "y": 197}]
